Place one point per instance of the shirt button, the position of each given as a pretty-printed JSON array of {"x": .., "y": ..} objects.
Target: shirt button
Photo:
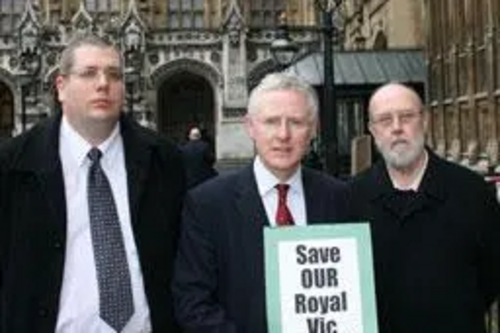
[{"x": 43, "y": 312}]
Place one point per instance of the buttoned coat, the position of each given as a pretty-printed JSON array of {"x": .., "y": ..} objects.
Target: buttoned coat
[
  {"x": 219, "y": 284},
  {"x": 33, "y": 223},
  {"x": 437, "y": 261}
]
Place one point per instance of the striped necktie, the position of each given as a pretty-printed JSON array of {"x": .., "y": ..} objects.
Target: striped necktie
[{"x": 283, "y": 215}]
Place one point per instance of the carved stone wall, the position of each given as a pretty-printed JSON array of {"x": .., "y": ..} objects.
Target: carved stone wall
[
  {"x": 227, "y": 52},
  {"x": 463, "y": 43}
]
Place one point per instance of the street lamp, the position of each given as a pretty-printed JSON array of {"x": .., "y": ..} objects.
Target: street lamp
[
  {"x": 284, "y": 51},
  {"x": 328, "y": 116}
]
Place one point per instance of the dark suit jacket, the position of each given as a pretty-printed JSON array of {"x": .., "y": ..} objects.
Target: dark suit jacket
[
  {"x": 436, "y": 253},
  {"x": 33, "y": 223},
  {"x": 198, "y": 161},
  {"x": 219, "y": 276}
]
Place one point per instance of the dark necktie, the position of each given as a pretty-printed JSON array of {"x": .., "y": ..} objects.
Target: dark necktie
[
  {"x": 283, "y": 215},
  {"x": 116, "y": 304}
]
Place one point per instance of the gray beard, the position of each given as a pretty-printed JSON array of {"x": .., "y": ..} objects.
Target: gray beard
[{"x": 400, "y": 159}]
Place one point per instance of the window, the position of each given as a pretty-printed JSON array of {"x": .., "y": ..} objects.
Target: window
[
  {"x": 90, "y": 5},
  {"x": 105, "y": 9},
  {"x": 102, "y": 5},
  {"x": 185, "y": 14},
  {"x": 10, "y": 14},
  {"x": 266, "y": 13},
  {"x": 480, "y": 21},
  {"x": 462, "y": 62}
]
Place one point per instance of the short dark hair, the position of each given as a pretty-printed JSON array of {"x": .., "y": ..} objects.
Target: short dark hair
[{"x": 67, "y": 59}]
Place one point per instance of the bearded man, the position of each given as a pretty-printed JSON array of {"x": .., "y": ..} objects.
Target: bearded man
[{"x": 435, "y": 226}]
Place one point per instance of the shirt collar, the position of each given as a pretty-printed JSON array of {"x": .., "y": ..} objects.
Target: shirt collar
[
  {"x": 79, "y": 146},
  {"x": 266, "y": 181}
]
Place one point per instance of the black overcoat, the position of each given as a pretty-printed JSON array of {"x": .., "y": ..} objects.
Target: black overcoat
[
  {"x": 436, "y": 253},
  {"x": 33, "y": 223}
]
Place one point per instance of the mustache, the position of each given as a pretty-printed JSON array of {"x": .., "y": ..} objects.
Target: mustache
[{"x": 399, "y": 141}]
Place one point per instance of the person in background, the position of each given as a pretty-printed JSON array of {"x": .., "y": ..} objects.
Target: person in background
[
  {"x": 219, "y": 281},
  {"x": 198, "y": 159},
  {"x": 435, "y": 226},
  {"x": 90, "y": 204},
  {"x": 312, "y": 159}
]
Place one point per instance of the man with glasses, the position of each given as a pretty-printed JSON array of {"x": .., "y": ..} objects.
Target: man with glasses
[
  {"x": 89, "y": 209},
  {"x": 435, "y": 226},
  {"x": 219, "y": 284}
]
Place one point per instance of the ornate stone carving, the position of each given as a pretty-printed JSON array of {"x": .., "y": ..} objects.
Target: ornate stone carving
[
  {"x": 197, "y": 67},
  {"x": 82, "y": 23},
  {"x": 233, "y": 24},
  {"x": 153, "y": 58},
  {"x": 234, "y": 112},
  {"x": 29, "y": 40},
  {"x": 133, "y": 38}
]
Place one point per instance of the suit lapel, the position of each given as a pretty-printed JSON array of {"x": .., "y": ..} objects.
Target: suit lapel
[
  {"x": 313, "y": 199},
  {"x": 137, "y": 149},
  {"x": 40, "y": 158},
  {"x": 249, "y": 202},
  {"x": 251, "y": 220}
]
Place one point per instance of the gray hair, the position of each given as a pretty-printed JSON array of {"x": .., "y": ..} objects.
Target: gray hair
[
  {"x": 194, "y": 133},
  {"x": 283, "y": 81},
  {"x": 67, "y": 59}
]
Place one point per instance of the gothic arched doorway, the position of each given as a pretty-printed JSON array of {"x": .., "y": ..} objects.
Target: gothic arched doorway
[
  {"x": 185, "y": 100},
  {"x": 6, "y": 111}
]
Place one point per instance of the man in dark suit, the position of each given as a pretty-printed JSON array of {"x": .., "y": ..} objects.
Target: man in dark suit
[
  {"x": 435, "y": 226},
  {"x": 56, "y": 202},
  {"x": 219, "y": 275},
  {"x": 198, "y": 159}
]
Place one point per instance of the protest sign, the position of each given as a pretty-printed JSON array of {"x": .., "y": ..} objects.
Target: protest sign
[{"x": 319, "y": 279}]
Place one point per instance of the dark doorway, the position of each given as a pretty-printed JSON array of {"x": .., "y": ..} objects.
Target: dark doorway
[
  {"x": 185, "y": 100},
  {"x": 6, "y": 111}
]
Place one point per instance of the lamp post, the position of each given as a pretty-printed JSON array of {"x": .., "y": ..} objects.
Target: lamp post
[
  {"x": 281, "y": 49},
  {"x": 328, "y": 114}
]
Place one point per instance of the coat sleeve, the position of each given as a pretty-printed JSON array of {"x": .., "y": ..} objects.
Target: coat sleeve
[
  {"x": 195, "y": 281},
  {"x": 4, "y": 241},
  {"x": 489, "y": 244}
]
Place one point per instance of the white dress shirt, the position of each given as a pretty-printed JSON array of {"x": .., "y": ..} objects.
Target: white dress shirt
[
  {"x": 266, "y": 183},
  {"x": 79, "y": 300}
]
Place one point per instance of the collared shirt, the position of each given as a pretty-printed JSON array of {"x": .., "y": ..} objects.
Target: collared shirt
[
  {"x": 266, "y": 183},
  {"x": 418, "y": 177},
  {"x": 79, "y": 300}
]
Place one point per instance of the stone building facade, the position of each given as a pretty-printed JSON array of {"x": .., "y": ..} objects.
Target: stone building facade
[
  {"x": 463, "y": 43},
  {"x": 188, "y": 62},
  {"x": 383, "y": 24}
]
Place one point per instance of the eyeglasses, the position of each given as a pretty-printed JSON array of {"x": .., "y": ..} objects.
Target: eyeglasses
[
  {"x": 113, "y": 74},
  {"x": 403, "y": 117},
  {"x": 294, "y": 124}
]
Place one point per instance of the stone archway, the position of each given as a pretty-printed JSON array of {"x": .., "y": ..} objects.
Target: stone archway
[
  {"x": 259, "y": 71},
  {"x": 185, "y": 100},
  {"x": 6, "y": 111}
]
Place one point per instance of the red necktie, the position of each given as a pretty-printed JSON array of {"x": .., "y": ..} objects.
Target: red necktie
[{"x": 283, "y": 215}]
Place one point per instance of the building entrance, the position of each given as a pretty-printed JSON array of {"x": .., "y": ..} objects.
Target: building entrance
[
  {"x": 185, "y": 100},
  {"x": 6, "y": 111}
]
